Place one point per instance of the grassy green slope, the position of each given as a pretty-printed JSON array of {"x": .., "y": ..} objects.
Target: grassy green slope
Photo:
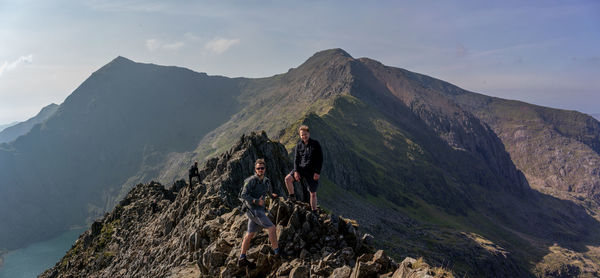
[
  {"x": 388, "y": 179},
  {"x": 375, "y": 171}
]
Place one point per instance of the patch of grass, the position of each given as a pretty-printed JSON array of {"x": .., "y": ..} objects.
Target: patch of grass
[{"x": 106, "y": 234}]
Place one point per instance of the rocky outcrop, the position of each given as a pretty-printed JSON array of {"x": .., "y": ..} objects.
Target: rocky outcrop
[{"x": 196, "y": 230}]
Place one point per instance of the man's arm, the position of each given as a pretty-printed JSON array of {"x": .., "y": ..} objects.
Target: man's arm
[
  {"x": 246, "y": 189},
  {"x": 296, "y": 159},
  {"x": 318, "y": 153}
]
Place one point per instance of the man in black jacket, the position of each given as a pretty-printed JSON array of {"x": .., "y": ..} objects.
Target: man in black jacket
[
  {"x": 308, "y": 161},
  {"x": 194, "y": 172}
]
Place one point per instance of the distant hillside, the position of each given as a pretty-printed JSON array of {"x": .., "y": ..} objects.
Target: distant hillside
[
  {"x": 3, "y": 126},
  {"x": 596, "y": 115},
  {"x": 15, "y": 130}
]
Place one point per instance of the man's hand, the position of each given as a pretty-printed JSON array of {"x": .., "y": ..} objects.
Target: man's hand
[
  {"x": 316, "y": 176},
  {"x": 296, "y": 176},
  {"x": 261, "y": 202},
  {"x": 274, "y": 195}
]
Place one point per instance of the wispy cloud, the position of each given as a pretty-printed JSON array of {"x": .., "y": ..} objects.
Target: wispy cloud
[
  {"x": 173, "y": 46},
  {"x": 155, "y": 44},
  {"x": 6, "y": 66},
  {"x": 220, "y": 45}
]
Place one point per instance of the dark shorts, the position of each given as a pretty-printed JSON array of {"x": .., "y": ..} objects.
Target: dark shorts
[
  {"x": 307, "y": 179},
  {"x": 258, "y": 221}
]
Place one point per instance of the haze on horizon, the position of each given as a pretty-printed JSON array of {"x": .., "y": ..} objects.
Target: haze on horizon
[{"x": 541, "y": 52}]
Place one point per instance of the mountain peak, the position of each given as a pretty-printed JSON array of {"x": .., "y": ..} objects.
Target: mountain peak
[
  {"x": 329, "y": 55},
  {"x": 121, "y": 59},
  {"x": 326, "y": 57},
  {"x": 333, "y": 52}
]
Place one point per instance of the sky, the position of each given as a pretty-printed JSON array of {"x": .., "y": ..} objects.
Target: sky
[{"x": 541, "y": 52}]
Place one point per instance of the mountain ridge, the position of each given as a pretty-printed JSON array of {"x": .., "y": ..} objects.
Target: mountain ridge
[
  {"x": 398, "y": 142},
  {"x": 194, "y": 230}
]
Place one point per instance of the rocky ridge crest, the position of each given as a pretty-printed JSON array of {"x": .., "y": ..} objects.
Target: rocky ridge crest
[{"x": 192, "y": 231}]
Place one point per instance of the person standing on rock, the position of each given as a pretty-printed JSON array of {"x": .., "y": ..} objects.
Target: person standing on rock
[
  {"x": 308, "y": 161},
  {"x": 194, "y": 172},
  {"x": 256, "y": 187}
]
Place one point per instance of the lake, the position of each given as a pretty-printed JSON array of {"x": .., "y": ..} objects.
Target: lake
[{"x": 34, "y": 259}]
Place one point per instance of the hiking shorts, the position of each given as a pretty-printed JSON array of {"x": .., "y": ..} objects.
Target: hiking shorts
[
  {"x": 258, "y": 221},
  {"x": 311, "y": 183}
]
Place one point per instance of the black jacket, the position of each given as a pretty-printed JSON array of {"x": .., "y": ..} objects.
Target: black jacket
[
  {"x": 308, "y": 158},
  {"x": 194, "y": 171}
]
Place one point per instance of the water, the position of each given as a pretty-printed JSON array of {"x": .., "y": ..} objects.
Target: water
[{"x": 34, "y": 259}]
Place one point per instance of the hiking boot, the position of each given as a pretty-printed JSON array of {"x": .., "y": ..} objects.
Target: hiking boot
[
  {"x": 244, "y": 262},
  {"x": 292, "y": 198}
]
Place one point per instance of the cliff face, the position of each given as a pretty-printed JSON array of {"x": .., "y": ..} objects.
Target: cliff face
[
  {"x": 193, "y": 230},
  {"x": 557, "y": 150}
]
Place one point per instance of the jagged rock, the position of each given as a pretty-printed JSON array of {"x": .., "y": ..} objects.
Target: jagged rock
[
  {"x": 341, "y": 272},
  {"x": 301, "y": 271},
  {"x": 412, "y": 268},
  {"x": 157, "y": 232}
]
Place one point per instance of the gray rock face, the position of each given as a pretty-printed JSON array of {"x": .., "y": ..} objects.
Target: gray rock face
[{"x": 199, "y": 229}]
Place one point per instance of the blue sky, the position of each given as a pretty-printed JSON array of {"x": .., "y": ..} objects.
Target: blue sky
[{"x": 542, "y": 52}]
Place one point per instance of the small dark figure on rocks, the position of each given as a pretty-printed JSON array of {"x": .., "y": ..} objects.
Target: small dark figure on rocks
[
  {"x": 256, "y": 187},
  {"x": 308, "y": 161},
  {"x": 194, "y": 172}
]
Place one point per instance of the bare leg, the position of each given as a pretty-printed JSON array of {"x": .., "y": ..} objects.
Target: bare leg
[
  {"x": 246, "y": 242},
  {"x": 313, "y": 200},
  {"x": 273, "y": 237},
  {"x": 289, "y": 183}
]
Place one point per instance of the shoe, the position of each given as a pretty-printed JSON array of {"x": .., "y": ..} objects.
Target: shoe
[
  {"x": 293, "y": 198},
  {"x": 244, "y": 262}
]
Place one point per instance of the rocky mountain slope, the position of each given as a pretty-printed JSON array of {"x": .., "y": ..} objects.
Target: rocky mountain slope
[
  {"x": 120, "y": 123},
  {"x": 414, "y": 157},
  {"x": 404, "y": 155},
  {"x": 557, "y": 150},
  {"x": 15, "y": 130},
  {"x": 196, "y": 230}
]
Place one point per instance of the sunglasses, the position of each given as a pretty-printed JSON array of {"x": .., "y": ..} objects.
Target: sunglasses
[{"x": 260, "y": 168}]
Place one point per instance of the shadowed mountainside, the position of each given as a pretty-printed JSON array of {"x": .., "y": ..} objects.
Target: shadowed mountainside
[{"x": 120, "y": 121}]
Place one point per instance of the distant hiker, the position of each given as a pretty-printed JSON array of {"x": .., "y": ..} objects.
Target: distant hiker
[
  {"x": 308, "y": 161},
  {"x": 194, "y": 172},
  {"x": 256, "y": 187}
]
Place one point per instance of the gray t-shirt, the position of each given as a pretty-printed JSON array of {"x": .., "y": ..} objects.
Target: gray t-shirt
[{"x": 253, "y": 189}]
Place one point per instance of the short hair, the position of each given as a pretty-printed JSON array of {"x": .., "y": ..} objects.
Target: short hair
[
  {"x": 260, "y": 161},
  {"x": 303, "y": 127}
]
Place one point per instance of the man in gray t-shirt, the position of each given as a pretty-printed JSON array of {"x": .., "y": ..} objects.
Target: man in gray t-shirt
[{"x": 256, "y": 187}]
